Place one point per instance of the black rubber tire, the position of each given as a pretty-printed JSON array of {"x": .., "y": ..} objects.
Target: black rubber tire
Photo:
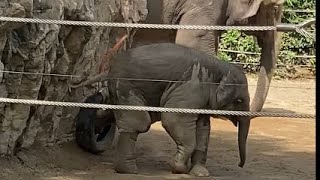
[{"x": 86, "y": 136}]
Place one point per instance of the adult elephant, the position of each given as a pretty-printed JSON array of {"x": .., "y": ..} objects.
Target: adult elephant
[{"x": 218, "y": 12}]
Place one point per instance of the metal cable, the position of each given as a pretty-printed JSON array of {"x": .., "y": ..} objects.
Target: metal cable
[
  {"x": 297, "y": 28},
  {"x": 147, "y": 80},
  {"x": 299, "y": 10},
  {"x": 278, "y": 65},
  {"x": 152, "y": 26},
  {"x": 154, "y": 109},
  {"x": 253, "y": 53},
  {"x": 43, "y": 74},
  {"x": 136, "y": 25}
]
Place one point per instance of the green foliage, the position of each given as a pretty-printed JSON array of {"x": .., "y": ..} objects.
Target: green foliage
[{"x": 293, "y": 45}]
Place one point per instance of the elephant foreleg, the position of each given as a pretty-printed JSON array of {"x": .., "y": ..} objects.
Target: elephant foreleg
[
  {"x": 130, "y": 124},
  {"x": 199, "y": 156},
  {"x": 125, "y": 160},
  {"x": 203, "y": 40},
  {"x": 182, "y": 129}
]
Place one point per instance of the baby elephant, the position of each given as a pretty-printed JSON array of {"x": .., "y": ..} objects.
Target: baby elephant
[{"x": 173, "y": 76}]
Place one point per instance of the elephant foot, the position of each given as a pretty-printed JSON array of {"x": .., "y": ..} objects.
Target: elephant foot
[
  {"x": 179, "y": 166},
  {"x": 198, "y": 161},
  {"x": 199, "y": 170},
  {"x": 125, "y": 161},
  {"x": 129, "y": 167}
]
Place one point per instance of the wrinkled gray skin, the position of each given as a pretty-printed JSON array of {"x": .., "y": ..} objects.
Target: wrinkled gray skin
[
  {"x": 204, "y": 83},
  {"x": 218, "y": 12}
]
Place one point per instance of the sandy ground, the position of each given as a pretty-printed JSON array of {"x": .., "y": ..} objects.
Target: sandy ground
[{"x": 278, "y": 148}]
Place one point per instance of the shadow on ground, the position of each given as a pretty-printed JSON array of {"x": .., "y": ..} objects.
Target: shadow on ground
[{"x": 269, "y": 157}]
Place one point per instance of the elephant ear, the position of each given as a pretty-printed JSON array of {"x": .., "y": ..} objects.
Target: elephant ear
[
  {"x": 253, "y": 9},
  {"x": 225, "y": 90}
]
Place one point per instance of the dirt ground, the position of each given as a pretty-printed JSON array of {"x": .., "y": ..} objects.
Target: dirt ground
[{"x": 278, "y": 148}]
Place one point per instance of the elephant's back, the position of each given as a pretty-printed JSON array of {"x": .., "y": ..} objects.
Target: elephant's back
[{"x": 157, "y": 61}]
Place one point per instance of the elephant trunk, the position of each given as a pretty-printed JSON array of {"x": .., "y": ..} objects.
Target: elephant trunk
[
  {"x": 264, "y": 80},
  {"x": 268, "y": 63},
  {"x": 270, "y": 44},
  {"x": 243, "y": 130},
  {"x": 270, "y": 47}
]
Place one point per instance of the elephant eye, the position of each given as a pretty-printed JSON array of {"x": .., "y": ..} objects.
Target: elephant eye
[{"x": 239, "y": 100}]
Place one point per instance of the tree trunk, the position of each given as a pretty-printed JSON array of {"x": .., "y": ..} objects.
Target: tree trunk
[{"x": 56, "y": 49}]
